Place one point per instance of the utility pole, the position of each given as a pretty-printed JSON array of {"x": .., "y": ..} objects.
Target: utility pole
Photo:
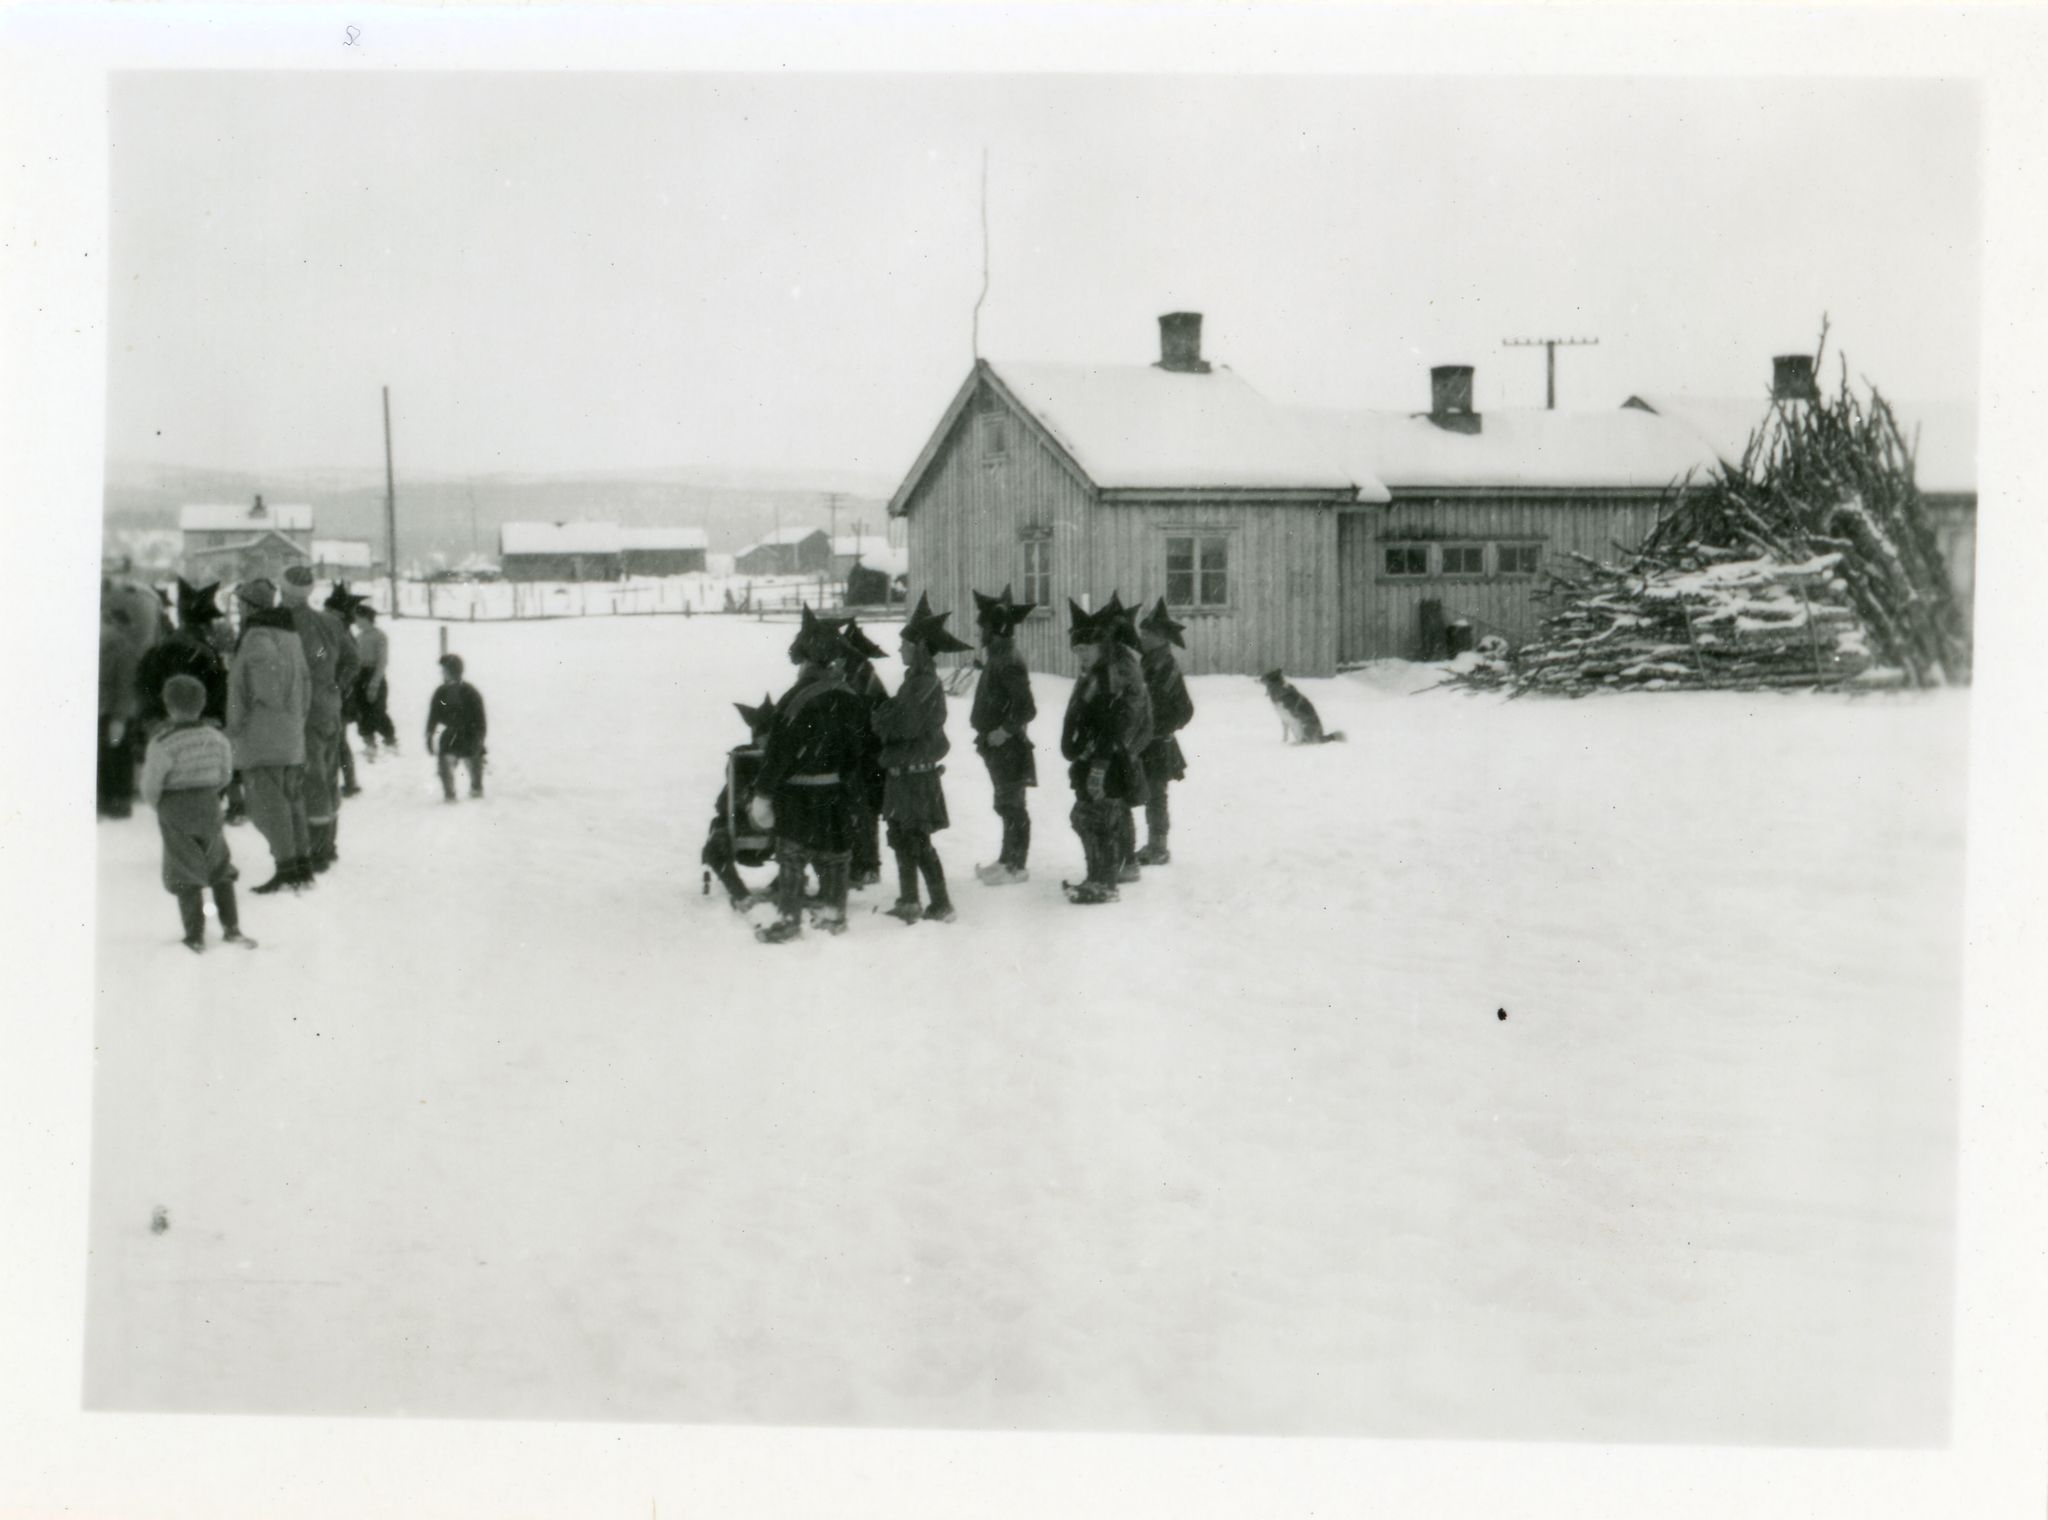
[
  {"x": 1550, "y": 346},
  {"x": 390, "y": 511}
]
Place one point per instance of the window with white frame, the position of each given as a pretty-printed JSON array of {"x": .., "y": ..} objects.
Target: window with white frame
[
  {"x": 1037, "y": 567},
  {"x": 1463, "y": 559},
  {"x": 1406, "y": 561},
  {"x": 1198, "y": 570}
]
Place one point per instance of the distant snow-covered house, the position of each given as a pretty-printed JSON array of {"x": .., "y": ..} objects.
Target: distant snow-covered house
[
  {"x": 787, "y": 551},
  {"x": 563, "y": 551},
  {"x": 870, "y": 549},
  {"x": 232, "y": 543},
  {"x": 345, "y": 559},
  {"x": 662, "y": 551}
]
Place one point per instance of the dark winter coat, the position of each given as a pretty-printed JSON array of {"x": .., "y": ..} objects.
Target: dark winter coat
[
  {"x": 457, "y": 708},
  {"x": 187, "y": 652},
  {"x": 912, "y": 728},
  {"x": 866, "y": 683},
  {"x": 1172, "y": 710},
  {"x": 1003, "y": 703},
  {"x": 117, "y": 673},
  {"x": 331, "y": 664},
  {"x": 1108, "y": 725},
  {"x": 820, "y": 732},
  {"x": 268, "y": 693}
]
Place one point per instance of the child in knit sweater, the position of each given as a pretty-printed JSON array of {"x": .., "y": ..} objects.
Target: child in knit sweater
[{"x": 184, "y": 772}]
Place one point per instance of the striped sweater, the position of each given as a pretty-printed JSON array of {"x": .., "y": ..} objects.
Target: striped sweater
[{"x": 186, "y": 757}]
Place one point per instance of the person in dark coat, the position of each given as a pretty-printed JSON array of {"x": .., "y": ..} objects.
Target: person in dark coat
[
  {"x": 188, "y": 650},
  {"x": 117, "y": 707},
  {"x": 183, "y": 774},
  {"x": 722, "y": 856},
  {"x": 1102, "y": 739},
  {"x": 912, "y": 728},
  {"x": 457, "y": 710},
  {"x": 1172, "y": 710},
  {"x": 1124, "y": 662},
  {"x": 342, "y": 603},
  {"x": 1003, "y": 710},
  {"x": 803, "y": 793},
  {"x": 865, "y": 683},
  {"x": 331, "y": 664}
]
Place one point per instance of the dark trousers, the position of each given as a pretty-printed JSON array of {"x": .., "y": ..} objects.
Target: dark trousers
[
  {"x": 1100, "y": 824},
  {"x": 1016, "y": 815},
  {"x": 916, "y": 856},
  {"x": 192, "y": 911},
  {"x": 445, "y": 763},
  {"x": 373, "y": 715},
  {"x": 116, "y": 772},
  {"x": 867, "y": 838}
]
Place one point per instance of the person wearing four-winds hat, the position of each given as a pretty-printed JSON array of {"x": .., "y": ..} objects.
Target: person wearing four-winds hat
[
  {"x": 912, "y": 728},
  {"x": 864, "y": 682},
  {"x": 1172, "y": 710},
  {"x": 1121, "y": 659},
  {"x": 1106, "y": 728},
  {"x": 1003, "y": 708},
  {"x": 188, "y": 650},
  {"x": 803, "y": 793}
]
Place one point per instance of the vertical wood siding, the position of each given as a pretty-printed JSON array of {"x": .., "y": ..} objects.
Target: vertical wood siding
[
  {"x": 967, "y": 518},
  {"x": 1381, "y": 617}
]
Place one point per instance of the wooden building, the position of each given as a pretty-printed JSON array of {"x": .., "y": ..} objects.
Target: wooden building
[
  {"x": 1480, "y": 504},
  {"x": 231, "y": 544},
  {"x": 1173, "y": 479},
  {"x": 1942, "y": 434},
  {"x": 662, "y": 551},
  {"x": 575, "y": 551},
  {"x": 345, "y": 559},
  {"x": 787, "y": 551}
]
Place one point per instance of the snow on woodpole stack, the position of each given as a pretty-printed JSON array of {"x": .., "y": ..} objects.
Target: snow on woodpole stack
[{"x": 1809, "y": 562}]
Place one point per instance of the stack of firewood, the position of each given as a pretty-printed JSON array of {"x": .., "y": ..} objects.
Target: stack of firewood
[{"x": 1808, "y": 563}]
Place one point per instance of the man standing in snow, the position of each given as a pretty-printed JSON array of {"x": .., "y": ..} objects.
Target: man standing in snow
[
  {"x": 1172, "y": 710},
  {"x": 912, "y": 728},
  {"x": 341, "y": 603},
  {"x": 1003, "y": 709},
  {"x": 373, "y": 691},
  {"x": 1101, "y": 738},
  {"x": 809, "y": 765},
  {"x": 331, "y": 665},
  {"x": 267, "y": 700}
]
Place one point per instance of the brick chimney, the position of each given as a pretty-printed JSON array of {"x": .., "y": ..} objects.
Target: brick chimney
[
  {"x": 1450, "y": 398},
  {"x": 1792, "y": 378},
  {"x": 1180, "y": 343}
]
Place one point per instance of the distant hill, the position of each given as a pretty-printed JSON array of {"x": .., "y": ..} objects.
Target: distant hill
[{"x": 443, "y": 518}]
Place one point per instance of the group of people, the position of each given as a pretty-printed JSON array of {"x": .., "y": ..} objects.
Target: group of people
[
  {"x": 840, "y": 759},
  {"x": 192, "y": 717}
]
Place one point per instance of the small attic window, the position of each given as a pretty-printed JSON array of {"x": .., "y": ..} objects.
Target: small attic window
[{"x": 994, "y": 430}]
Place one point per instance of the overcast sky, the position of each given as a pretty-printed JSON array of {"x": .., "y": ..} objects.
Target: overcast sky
[{"x": 609, "y": 271}]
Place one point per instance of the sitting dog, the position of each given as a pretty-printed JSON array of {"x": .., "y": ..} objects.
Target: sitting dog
[{"x": 1298, "y": 721}]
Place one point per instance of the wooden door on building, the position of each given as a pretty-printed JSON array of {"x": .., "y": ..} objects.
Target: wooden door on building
[{"x": 1356, "y": 635}]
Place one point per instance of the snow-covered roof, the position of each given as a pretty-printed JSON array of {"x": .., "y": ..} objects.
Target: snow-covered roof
[
  {"x": 1946, "y": 431},
  {"x": 349, "y": 553},
  {"x": 784, "y": 536},
  {"x": 221, "y": 517},
  {"x": 850, "y": 544},
  {"x": 874, "y": 551},
  {"x": 664, "y": 538},
  {"x": 559, "y": 538},
  {"x": 1140, "y": 427},
  {"x": 1620, "y": 449}
]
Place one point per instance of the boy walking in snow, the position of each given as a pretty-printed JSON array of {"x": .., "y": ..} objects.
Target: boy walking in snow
[
  {"x": 1172, "y": 710},
  {"x": 1003, "y": 709},
  {"x": 457, "y": 710},
  {"x": 1102, "y": 737},
  {"x": 183, "y": 774},
  {"x": 912, "y": 728},
  {"x": 373, "y": 692}
]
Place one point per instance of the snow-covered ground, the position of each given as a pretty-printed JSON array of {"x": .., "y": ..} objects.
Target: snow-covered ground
[{"x": 508, "y": 1119}]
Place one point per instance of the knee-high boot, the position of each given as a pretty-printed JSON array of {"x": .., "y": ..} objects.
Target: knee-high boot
[
  {"x": 940, "y": 906},
  {"x": 192, "y": 910},
  {"x": 1126, "y": 845},
  {"x": 1157, "y": 826}
]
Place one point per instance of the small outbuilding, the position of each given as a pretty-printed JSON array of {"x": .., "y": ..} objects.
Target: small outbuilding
[
  {"x": 787, "y": 551},
  {"x": 662, "y": 551},
  {"x": 563, "y": 551}
]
